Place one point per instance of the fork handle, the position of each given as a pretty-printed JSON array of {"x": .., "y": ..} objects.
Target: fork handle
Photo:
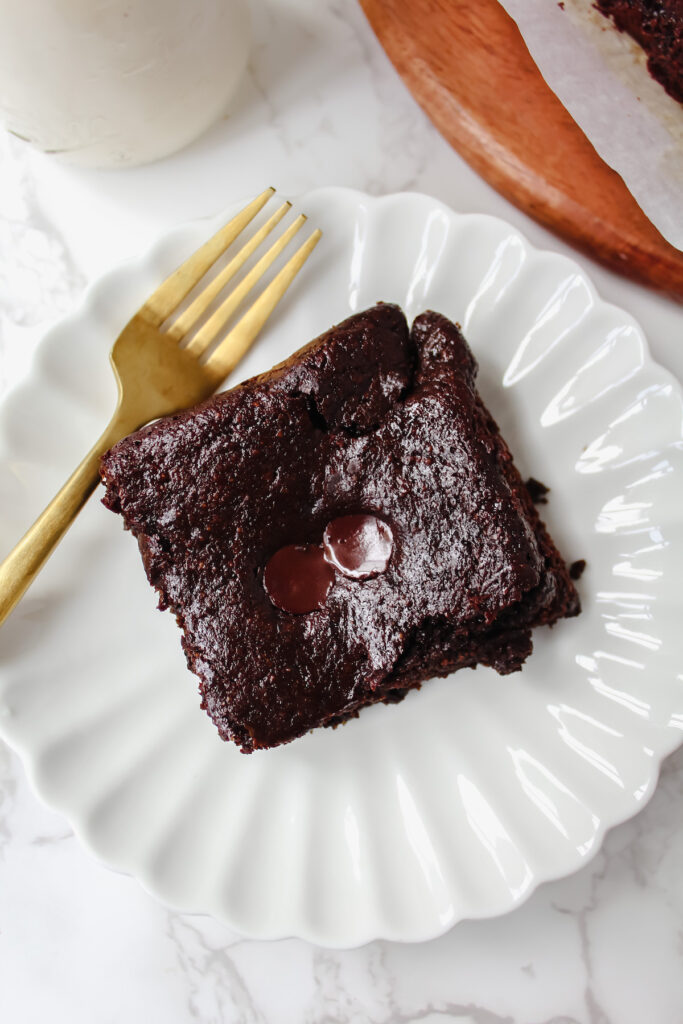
[{"x": 23, "y": 564}]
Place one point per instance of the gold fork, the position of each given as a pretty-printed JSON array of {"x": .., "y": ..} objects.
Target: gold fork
[{"x": 158, "y": 375}]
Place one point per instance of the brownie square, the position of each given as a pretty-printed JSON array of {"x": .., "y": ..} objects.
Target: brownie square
[
  {"x": 658, "y": 26},
  {"x": 252, "y": 503}
]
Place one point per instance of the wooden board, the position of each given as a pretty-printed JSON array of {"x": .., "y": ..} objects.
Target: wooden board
[{"x": 467, "y": 65}]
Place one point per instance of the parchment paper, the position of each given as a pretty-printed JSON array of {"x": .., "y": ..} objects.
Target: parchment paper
[{"x": 601, "y": 77}]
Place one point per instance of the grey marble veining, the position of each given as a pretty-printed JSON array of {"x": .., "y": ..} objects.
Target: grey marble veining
[
  {"x": 38, "y": 277},
  {"x": 80, "y": 944}
]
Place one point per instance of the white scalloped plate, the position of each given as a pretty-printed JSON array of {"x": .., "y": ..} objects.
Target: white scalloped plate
[{"x": 459, "y": 801}]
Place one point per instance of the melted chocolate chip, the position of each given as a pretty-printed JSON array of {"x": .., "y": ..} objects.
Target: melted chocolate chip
[
  {"x": 298, "y": 579},
  {"x": 359, "y": 546}
]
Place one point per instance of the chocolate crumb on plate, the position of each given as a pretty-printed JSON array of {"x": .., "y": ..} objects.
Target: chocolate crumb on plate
[
  {"x": 537, "y": 491},
  {"x": 576, "y": 569}
]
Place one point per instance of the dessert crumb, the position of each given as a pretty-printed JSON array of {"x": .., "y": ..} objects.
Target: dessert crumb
[
  {"x": 576, "y": 569},
  {"x": 537, "y": 491}
]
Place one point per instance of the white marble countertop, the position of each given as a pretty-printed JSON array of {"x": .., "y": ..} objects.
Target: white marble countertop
[{"x": 79, "y": 944}]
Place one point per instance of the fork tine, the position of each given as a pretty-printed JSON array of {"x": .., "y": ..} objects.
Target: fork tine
[
  {"x": 209, "y": 331},
  {"x": 238, "y": 342},
  {"x": 173, "y": 290},
  {"x": 187, "y": 320}
]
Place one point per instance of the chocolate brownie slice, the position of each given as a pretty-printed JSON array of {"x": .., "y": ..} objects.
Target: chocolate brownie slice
[
  {"x": 658, "y": 26},
  {"x": 334, "y": 532}
]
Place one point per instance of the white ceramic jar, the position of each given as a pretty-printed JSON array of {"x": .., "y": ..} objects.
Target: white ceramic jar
[{"x": 118, "y": 82}]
